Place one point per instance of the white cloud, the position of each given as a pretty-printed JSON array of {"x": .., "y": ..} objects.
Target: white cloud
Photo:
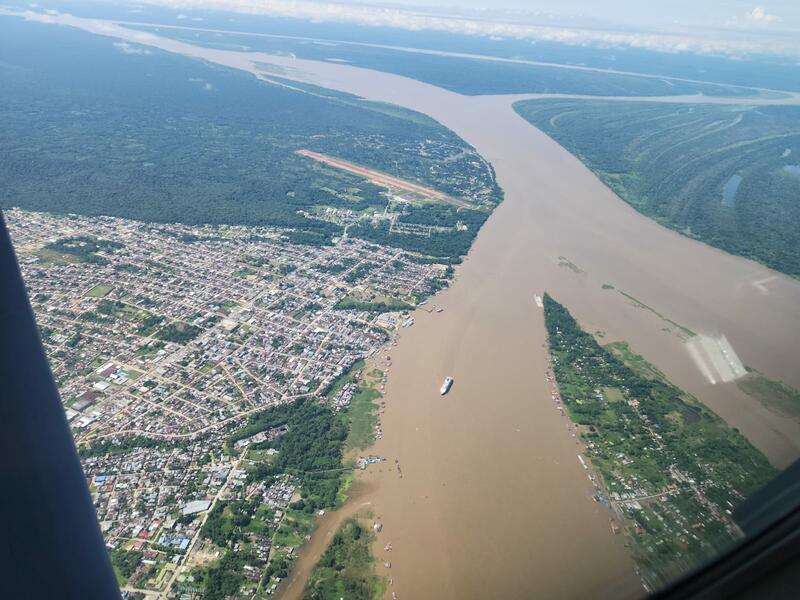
[
  {"x": 759, "y": 15},
  {"x": 728, "y": 43},
  {"x": 207, "y": 86},
  {"x": 733, "y": 40},
  {"x": 183, "y": 16},
  {"x": 126, "y": 48}
]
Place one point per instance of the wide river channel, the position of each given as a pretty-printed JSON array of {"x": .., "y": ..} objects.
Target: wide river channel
[{"x": 493, "y": 502}]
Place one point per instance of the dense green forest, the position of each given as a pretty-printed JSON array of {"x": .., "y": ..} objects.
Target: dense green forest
[
  {"x": 311, "y": 450},
  {"x": 722, "y": 174},
  {"x": 668, "y": 464},
  {"x": 95, "y": 127},
  {"x": 464, "y": 75}
]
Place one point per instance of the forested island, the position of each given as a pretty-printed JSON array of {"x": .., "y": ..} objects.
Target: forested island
[
  {"x": 726, "y": 175},
  {"x": 670, "y": 470}
]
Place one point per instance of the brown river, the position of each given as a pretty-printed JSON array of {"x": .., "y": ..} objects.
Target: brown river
[{"x": 493, "y": 502}]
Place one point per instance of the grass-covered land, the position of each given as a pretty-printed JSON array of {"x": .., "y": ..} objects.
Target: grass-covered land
[
  {"x": 347, "y": 569},
  {"x": 363, "y": 419},
  {"x": 722, "y": 174},
  {"x": 361, "y": 413},
  {"x": 100, "y": 290},
  {"x": 81, "y": 249},
  {"x": 775, "y": 395},
  {"x": 670, "y": 469},
  {"x": 148, "y": 135},
  {"x": 240, "y": 529}
]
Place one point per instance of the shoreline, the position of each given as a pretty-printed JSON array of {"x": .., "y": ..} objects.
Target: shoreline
[{"x": 326, "y": 526}]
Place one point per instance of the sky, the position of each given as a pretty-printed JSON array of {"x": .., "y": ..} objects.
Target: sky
[
  {"x": 719, "y": 27},
  {"x": 745, "y": 14}
]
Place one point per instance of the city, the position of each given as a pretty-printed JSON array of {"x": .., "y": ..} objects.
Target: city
[{"x": 164, "y": 341}]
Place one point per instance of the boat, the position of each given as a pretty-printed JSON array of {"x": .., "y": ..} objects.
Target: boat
[{"x": 448, "y": 381}]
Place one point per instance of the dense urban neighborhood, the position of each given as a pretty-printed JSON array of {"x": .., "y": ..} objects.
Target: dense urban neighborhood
[{"x": 198, "y": 368}]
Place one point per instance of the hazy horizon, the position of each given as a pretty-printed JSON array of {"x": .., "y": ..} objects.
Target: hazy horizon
[{"x": 736, "y": 29}]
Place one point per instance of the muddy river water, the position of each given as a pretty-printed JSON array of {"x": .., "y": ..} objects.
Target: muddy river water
[{"x": 493, "y": 502}]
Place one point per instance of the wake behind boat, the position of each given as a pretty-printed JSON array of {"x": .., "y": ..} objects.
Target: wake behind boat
[{"x": 448, "y": 381}]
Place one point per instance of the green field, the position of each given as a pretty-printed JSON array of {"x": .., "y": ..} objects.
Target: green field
[
  {"x": 361, "y": 413},
  {"x": 100, "y": 290},
  {"x": 52, "y": 257},
  {"x": 725, "y": 175},
  {"x": 81, "y": 249},
  {"x": 363, "y": 419},
  {"x": 775, "y": 395}
]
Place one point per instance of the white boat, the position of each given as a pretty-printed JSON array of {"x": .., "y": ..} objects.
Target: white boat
[{"x": 448, "y": 381}]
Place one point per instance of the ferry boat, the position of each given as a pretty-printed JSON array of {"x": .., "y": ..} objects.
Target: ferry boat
[{"x": 448, "y": 381}]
